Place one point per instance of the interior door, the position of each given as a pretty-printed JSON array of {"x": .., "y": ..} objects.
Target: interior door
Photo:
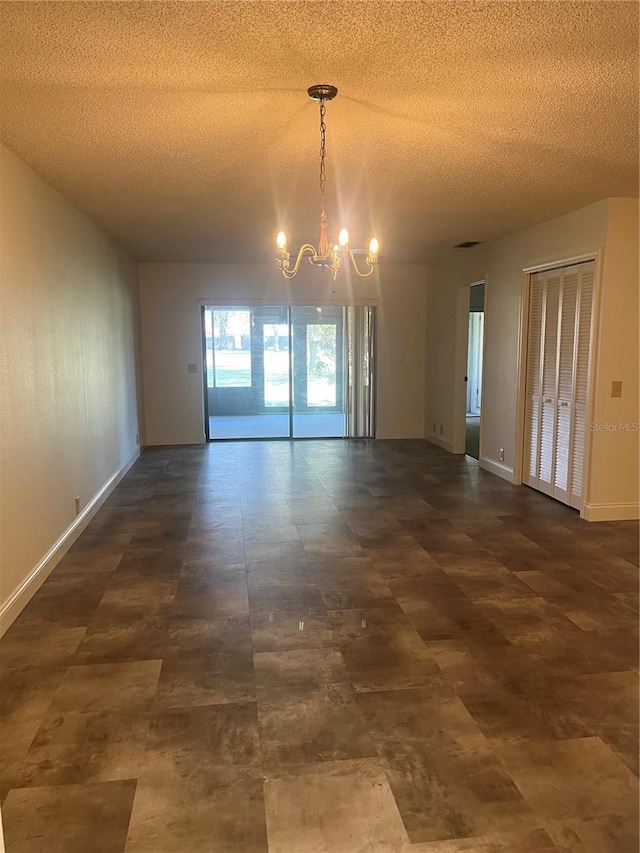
[
  {"x": 566, "y": 381},
  {"x": 584, "y": 318},
  {"x": 532, "y": 387},
  {"x": 558, "y": 351},
  {"x": 548, "y": 383}
]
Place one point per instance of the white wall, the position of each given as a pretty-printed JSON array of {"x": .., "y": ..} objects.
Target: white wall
[
  {"x": 171, "y": 336},
  {"x": 68, "y": 310},
  {"x": 609, "y": 222}
]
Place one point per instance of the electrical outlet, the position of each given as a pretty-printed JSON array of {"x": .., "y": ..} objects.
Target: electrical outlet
[
  {"x": 77, "y": 504},
  {"x": 502, "y": 454}
]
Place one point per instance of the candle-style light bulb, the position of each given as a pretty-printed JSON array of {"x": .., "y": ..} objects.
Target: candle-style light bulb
[
  {"x": 374, "y": 248},
  {"x": 281, "y": 241},
  {"x": 343, "y": 238}
]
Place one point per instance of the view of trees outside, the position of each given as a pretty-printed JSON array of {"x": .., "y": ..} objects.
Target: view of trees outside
[
  {"x": 276, "y": 365},
  {"x": 230, "y": 337},
  {"x": 321, "y": 364},
  {"x": 228, "y": 355}
]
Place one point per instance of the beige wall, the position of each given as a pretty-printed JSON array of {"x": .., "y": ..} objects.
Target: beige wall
[
  {"x": 609, "y": 222},
  {"x": 613, "y": 489},
  {"x": 68, "y": 303},
  {"x": 577, "y": 233},
  {"x": 447, "y": 323},
  {"x": 171, "y": 334}
]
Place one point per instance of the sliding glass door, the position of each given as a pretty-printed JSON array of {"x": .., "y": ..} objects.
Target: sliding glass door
[{"x": 278, "y": 372}]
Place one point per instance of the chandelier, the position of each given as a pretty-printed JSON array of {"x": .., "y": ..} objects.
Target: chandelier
[{"x": 329, "y": 256}]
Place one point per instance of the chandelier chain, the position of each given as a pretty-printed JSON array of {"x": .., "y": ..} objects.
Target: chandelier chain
[{"x": 323, "y": 151}]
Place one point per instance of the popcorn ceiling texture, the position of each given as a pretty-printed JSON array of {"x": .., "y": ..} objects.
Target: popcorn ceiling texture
[{"x": 184, "y": 129}]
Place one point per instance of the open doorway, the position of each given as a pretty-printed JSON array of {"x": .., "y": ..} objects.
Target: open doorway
[{"x": 474, "y": 370}]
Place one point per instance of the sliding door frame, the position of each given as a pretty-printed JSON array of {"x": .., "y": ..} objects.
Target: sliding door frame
[
  {"x": 205, "y": 377},
  {"x": 290, "y": 304}
]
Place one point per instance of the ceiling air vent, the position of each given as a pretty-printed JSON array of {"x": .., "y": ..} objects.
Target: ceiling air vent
[{"x": 468, "y": 244}]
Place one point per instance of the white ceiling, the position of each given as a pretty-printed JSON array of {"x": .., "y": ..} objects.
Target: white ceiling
[{"x": 185, "y": 130}]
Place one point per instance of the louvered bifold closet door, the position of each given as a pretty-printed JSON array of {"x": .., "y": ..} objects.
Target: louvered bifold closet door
[
  {"x": 564, "y": 416},
  {"x": 532, "y": 388},
  {"x": 549, "y": 383},
  {"x": 582, "y": 348},
  {"x": 557, "y": 381}
]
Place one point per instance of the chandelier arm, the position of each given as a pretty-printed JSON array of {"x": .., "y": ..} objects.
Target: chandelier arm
[
  {"x": 355, "y": 266},
  {"x": 286, "y": 272},
  {"x": 290, "y": 272}
]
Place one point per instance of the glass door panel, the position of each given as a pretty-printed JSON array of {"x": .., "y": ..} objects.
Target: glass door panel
[
  {"x": 322, "y": 361},
  {"x": 276, "y": 365},
  {"x": 239, "y": 387},
  {"x": 229, "y": 366},
  {"x": 318, "y": 359},
  {"x": 271, "y": 355}
]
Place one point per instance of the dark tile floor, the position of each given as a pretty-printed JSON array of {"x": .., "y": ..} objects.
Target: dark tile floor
[
  {"x": 472, "y": 436},
  {"x": 325, "y": 647}
]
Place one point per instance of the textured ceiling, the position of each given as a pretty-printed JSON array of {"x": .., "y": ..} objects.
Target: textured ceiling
[{"x": 184, "y": 129}]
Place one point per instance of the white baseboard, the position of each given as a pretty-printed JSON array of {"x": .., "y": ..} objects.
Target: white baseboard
[
  {"x": 497, "y": 468},
  {"x": 16, "y": 602},
  {"x": 612, "y": 512},
  {"x": 442, "y": 442}
]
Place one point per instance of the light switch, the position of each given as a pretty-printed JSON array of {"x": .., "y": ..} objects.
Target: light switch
[
  {"x": 616, "y": 389},
  {"x": 192, "y": 368}
]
